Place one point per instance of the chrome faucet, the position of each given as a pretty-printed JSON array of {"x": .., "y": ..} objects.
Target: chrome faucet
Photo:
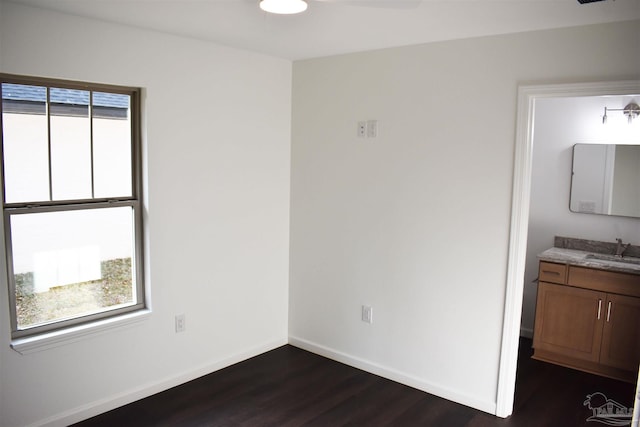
[{"x": 620, "y": 248}]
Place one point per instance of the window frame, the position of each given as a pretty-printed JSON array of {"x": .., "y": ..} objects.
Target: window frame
[{"x": 134, "y": 201}]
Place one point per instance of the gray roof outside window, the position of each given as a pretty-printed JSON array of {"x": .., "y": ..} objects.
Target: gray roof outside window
[{"x": 18, "y": 92}]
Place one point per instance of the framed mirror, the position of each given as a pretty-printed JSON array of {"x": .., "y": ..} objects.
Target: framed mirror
[{"x": 605, "y": 179}]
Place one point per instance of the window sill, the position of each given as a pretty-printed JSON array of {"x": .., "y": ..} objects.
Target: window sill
[{"x": 57, "y": 338}]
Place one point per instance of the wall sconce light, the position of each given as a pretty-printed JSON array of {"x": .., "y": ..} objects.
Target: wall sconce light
[
  {"x": 283, "y": 7},
  {"x": 632, "y": 110}
]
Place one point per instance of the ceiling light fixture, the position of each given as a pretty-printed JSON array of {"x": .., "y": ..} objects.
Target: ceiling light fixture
[
  {"x": 632, "y": 110},
  {"x": 283, "y": 7}
]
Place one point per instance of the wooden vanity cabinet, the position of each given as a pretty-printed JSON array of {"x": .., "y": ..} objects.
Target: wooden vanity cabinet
[
  {"x": 621, "y": 333},
  {"x": 588, "y": 319}
]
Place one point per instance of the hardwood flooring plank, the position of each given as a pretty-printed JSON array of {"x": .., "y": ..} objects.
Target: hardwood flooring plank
[
  {"x": 378, "y": 404},
  {"x": 435, "y": 411},
  {"x": 317, "y": 398},
  {"x": 280, "y": 404}
]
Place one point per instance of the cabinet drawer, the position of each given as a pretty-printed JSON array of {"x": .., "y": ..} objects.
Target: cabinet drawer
[
  {"x": 553, "y": 273},
  {"x": 607, "y": 281}
]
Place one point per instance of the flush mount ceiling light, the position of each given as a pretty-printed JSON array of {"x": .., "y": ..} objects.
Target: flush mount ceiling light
[
  {"x": 632, "y": 110},
  {"x": 283, "y": 7}
]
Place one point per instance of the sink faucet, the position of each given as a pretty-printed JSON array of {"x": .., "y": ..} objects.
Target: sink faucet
[{"x": 620, "y": 248}]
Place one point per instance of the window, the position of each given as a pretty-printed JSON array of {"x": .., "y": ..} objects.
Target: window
[{"x": 71, "y": 174}]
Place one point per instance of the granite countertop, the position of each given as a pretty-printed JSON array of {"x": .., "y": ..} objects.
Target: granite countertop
[{"x": 585, "y": 259}]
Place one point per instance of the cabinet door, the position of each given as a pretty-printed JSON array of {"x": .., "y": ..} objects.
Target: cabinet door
[
  {"x": 569, "y": 321},
  {"x": 621, "y": 333}
]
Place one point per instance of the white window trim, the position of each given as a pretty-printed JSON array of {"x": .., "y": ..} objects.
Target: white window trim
[{"x": 45, "y": 341}]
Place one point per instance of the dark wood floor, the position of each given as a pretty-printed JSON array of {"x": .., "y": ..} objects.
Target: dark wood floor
[{"x": 292, "y": 387}]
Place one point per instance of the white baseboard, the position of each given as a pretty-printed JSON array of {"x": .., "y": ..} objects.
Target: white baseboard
[
  {"x": 526, "y": 332},
  {"x": 115, "y": 401},
  {"x": 394, "y": 375}
]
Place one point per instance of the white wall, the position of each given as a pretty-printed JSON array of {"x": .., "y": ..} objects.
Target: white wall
[
  {"x": 415, "y": 223},
  {"x": 559, "y": 124},
  {"x": 217, "y": 148}
]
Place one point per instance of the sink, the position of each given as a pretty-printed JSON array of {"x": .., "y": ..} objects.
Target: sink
[{"x": 613, "y": 258}]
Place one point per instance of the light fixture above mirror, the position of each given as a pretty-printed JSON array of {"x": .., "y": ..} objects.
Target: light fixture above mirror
[
  {"x": 632, "y": 110},
  {"x": 283, "y": 7}
]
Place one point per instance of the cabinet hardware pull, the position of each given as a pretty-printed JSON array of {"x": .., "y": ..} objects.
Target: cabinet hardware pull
[
  {"x": 609, "y": 311},
  {"x": 599, "y": 308},
  {"x": 550, "y": 272}
]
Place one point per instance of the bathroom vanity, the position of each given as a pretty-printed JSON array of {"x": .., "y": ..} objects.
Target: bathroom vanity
[{"x": 588, "y": 308}]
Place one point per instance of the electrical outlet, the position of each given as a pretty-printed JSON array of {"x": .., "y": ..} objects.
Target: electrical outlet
[
  {"x": 367, "y": 314},
  {"x": 362, "y": 129},
  {"x": 180, "y": 323}
]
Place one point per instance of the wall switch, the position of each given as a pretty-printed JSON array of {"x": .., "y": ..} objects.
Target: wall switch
[
  {"x": 367, "y": 314},
  {"x": 362, "y": 129},
  {"x": 180, "y": 323},
  {"x": 372, "y": 128}
]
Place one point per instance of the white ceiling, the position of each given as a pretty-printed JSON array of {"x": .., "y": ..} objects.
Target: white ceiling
[{"x": 330, "y": 27}]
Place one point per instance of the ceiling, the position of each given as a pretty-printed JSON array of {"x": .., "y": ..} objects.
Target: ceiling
[{"x": 331, "y": 27}]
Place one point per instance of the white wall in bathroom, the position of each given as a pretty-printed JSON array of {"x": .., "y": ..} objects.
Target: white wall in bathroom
[{"x": 559, "y": 124}]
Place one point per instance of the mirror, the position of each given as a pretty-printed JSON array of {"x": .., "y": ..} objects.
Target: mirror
[{"x": 605, "y": 179}]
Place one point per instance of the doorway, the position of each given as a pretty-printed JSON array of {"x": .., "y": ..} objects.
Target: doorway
[{"x": 527, "y": 97}]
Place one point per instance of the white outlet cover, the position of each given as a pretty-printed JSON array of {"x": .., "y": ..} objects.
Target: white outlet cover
[
  {"x": 367, "y": 314},
  {"x": 180, "y": 323}
]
